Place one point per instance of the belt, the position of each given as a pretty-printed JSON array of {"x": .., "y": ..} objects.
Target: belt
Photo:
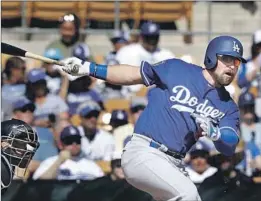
[
  {"x": 167, "y": 151},
  {"x": 162, "y": 147}
]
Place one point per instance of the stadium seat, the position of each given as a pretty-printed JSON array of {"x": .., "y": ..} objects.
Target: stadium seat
[
  {"x": 163, "y": 11},
  {"x": 104, "y": 11},
  {"x": 142, "y": 92},
  {"x": 113, "y": 104},
  {"x": 11, "y": 15},
  {"x": 11, "y": 9},
  {"x": 50, "y": 11}
]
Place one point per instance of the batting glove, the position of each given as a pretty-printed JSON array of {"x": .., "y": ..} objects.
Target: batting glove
[
  {"x": 76, "y": 67},
  {"x": 208, "y": 125}
]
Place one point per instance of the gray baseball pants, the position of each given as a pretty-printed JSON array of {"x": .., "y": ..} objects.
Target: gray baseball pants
[{"x": 152, "y": 171}]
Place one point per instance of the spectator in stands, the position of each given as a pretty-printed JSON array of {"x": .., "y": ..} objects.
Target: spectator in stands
[
  {"x": 57, "y": 81},
  {"x": 71, "y": 163},
  {"x": 226, "y": 179},
  {"x": 249, "y": 73},
  {"x": 23, "y": 109},
  {"x": 146, "y": 50},
  {"x": 107, "y": 90},
  {"x": 252, "y": 158},
  {"x": 122, "y": 133},
  {"x": 53, "y": 75},
  {"x": 246, "y": 103},
  {"x": 14, "y": 79},
  {"x": 69, "y": 26},
  {"x": 250, "y": 129},
  {"x": 116, "y": 169},
  {"x": 6, "y": 110},
  {"x": 80, "y": 91},
  {"x": 199, "y": 169},
  {"x": 118, "y": 118},
  {"x": 96, "y": 143},
  {"x": 49, "y": 107},
  {"x": 118, "y": 41}
]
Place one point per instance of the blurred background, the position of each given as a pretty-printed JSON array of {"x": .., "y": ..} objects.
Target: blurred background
[{"x": 84, "y": 123}]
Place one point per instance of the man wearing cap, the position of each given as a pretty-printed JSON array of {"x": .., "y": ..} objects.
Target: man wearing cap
[
  {"x": 108, "y": 90},
  {"x": 71, "y": 163},
  {"x": 249, "y": 73},
  {"x": 118, "y": 41},
  {"x": 49, "y": 107},
  {"x": 53, "y": 75},
  {"x": 69, "y": 42},
  {"x": 198, "y": 168},
  {"x": 23, "y": 109},
  {"x": 246, "y": 103},
  {"x": 123, "y": 133},
  {"x": 118, "y": 118},
  {"x": 96, "y": 143},
  {"x": 146, "y": 50}
]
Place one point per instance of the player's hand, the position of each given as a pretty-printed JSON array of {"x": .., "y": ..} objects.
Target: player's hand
[
  {"x": 76, "y": 67},
  {"x": 64, "y": 155},
  {"x": 208, "y": 126}
]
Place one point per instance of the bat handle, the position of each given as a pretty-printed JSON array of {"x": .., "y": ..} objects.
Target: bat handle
[
  {"x": 44, "y": 59},
  {"x": 58, "y": 63}
]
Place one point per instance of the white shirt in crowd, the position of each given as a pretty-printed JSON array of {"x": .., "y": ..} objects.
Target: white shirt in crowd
[
  {"x": 72, "y": 169},
  {"x": 120, "y": 134},
  {"x": 199, "y": 178},
  {"x": 134, "y": 54},
  {"x": 54, "y": 104},
  {"x": 101, "y": 147}
]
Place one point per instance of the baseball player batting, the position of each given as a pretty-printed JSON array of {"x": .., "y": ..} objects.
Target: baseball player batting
[{"x": 186, "y": 99}]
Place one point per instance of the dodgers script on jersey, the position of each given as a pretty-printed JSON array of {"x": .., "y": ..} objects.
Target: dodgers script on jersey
[{"x": 180, "y": 90}]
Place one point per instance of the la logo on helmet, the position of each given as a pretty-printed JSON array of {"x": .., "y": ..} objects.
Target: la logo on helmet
[{"x": 235, "y": 47}]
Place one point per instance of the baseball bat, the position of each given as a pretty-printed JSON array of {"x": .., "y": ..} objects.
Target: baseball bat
[{"x": 15, "y": 51}]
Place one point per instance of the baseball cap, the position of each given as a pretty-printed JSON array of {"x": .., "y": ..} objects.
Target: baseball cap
[
  {"x": 53, "y": 53},
  {"x": 69, "y": 131},
  {"x": 199, "y": 153},
  {"x": 35, "y": 75},
  {"x": 23, "y": 103},
  {"x": 87, "y": 107},
  {"x": 150, "y": 29},
  {"x": 245, "y": 99},
  {"x": 118, "y": 37},
  {"x": 81, "y": 51},
  {"x": 119, "y": 116}
]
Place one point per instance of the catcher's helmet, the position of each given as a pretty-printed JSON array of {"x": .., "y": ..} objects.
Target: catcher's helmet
[
  {"x": 19, "y": 142},
  {"x": 223, "y": 45}
]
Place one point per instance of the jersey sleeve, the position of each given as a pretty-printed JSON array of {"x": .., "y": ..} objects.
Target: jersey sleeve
[{"x": 162, "y": 72}]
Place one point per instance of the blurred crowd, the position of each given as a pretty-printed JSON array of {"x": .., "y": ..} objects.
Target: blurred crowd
[{"x": 78, "y": 142}]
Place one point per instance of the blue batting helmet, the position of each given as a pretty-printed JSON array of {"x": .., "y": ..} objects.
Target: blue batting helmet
[{"x": 223, "y": 45}]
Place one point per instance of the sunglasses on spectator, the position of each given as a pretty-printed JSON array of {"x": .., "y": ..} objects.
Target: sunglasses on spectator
[
  {"x": 229, "y": 60},
  {"x": 72, "y": 139},
  {"x": 137, "y": 109}
]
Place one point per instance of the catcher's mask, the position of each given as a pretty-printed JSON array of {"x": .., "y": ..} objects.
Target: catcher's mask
[{"x": 19, "y": 142}]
